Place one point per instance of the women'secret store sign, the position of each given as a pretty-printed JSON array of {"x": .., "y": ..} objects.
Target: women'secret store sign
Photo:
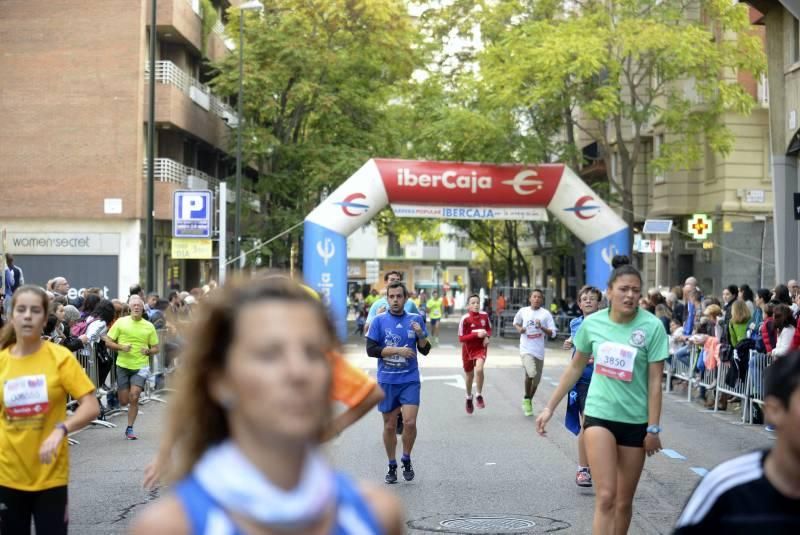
[{"x": 66, "y": 243}]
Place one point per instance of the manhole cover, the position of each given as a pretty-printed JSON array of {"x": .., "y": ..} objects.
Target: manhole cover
[
  {"x": 482, "y": 524},
  {"x": 488, "y": 524}
]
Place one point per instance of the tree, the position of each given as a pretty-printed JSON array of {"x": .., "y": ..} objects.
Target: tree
[
  {"x": 318, "y": 77},
  {"x": 619, "y": 68}
]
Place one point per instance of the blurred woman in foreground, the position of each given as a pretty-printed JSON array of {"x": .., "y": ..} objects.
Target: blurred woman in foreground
[{"x": 254, "y": 404}]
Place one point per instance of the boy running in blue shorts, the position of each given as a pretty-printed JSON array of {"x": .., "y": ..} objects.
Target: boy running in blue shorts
[{"x": 589, "y": 301}]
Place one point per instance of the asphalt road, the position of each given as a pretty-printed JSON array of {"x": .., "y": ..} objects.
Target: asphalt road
[{"x": 490, "y": 468}]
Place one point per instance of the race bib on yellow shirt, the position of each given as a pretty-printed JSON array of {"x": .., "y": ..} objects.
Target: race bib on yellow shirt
[
  {"x": 26, "y": 396},
  {"x": 615, "y": 361}
]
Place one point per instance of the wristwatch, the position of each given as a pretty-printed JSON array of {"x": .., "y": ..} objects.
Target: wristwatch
[{"x": 654, "y": 429}]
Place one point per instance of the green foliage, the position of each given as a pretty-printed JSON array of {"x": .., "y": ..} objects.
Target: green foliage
[
  {"x": 318, "y": 79},
  {"x": 210, "y": 18}
]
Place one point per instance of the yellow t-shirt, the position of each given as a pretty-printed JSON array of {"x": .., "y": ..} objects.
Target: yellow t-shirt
[
  {"x": 34, "y": 400},
  {"x": 140, "y": 335}
]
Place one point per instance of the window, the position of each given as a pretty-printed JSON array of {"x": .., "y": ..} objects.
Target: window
[
  {"x": 658, "y": 177},
  {"x": 795, "y": 40}
]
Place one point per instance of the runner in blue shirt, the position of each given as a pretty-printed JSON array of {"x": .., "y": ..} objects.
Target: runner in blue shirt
[
  {"x": 589, "y": 301},
  {"x": 382, "y": 305},
  {"x": 394, "y": 339}
]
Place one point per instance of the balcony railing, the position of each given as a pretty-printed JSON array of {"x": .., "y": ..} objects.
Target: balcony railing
[
  {"x": 169, "y": 73},
  {"x": 170, "y": 171}
]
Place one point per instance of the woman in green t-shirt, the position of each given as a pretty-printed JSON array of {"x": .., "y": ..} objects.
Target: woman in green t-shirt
[{"x": 623, "y": 406}]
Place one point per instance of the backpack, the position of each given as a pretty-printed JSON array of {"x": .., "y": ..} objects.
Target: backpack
[
  {"x": 725, "y": 348},
  {"x": 102, "y": 353},
  {"x": 79, "y": 329}
]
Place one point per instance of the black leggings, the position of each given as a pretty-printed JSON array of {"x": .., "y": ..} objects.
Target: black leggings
[{"x": 48, "y": 508}]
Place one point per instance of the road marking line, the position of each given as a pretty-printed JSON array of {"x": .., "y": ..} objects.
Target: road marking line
[
  {"x": 546, "y": 378},
  {"x": 490, "y": 464},
  {"x": 506, "y": 347},
  {"x": 699, "y": 471},
  {"x": 447, "y": 346},
  {"x": 553, "y": 383},
  {"x": 672, "y": 454}
]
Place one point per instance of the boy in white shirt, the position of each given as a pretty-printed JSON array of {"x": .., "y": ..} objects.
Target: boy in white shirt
[{"x": 533, "y": 323}]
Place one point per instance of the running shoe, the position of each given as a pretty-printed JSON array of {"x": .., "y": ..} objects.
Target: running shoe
[
  {"x": 527, "y": 407},
  {"x": 129, "y": 434},
  {"x": 470, "y": 406},
  {"x": 479, "y": 401},
  {"x": 391, "y": 475},
  {"x": 408, "y": 471},
  {"x": 583, "y": 478},
  {"x": 399, "y": 429},
  {"x": 770, "y": 428}
]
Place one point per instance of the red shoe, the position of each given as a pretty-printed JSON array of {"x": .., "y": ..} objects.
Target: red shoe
[
  {"x": 480, "y": 402},
  {"x": 470, "y": 407}
]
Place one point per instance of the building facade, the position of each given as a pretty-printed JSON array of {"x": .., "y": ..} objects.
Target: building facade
[
  {"x": 74, "y": 108},
  {"x": 442, "y": 265},
  {"x": 732, "y": 191}
]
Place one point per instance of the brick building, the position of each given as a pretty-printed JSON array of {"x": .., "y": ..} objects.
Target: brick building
[{"x": 74, "y": 107}]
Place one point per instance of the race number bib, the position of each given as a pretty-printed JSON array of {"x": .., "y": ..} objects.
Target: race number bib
[
  {"x": 25, "y": 396},
  {"x": 395, "y": 361},
  {"x": 615, "y": 361}
]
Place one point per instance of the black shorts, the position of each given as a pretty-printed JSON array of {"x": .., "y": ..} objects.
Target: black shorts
[
  {"x": 47, "y": 508},
  {"x": 629, "y": 435}
]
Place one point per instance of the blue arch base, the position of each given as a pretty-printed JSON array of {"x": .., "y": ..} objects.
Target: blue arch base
[
  {"x": 325, "y": 270},
  {"x": 599, "y": 255}
]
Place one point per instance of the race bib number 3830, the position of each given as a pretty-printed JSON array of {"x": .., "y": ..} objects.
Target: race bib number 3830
[
  {"x": 615, "y": 361},
  {"x": 26, "y": 396}
]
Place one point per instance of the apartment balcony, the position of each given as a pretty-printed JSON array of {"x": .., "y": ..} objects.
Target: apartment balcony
[
  {"x": 182, "y": 21},
  {"x": 189, "y": 105},
  {"x": 170, "y": 175}
]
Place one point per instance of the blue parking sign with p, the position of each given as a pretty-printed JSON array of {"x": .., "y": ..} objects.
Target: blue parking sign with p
[{"x": 192, "y": 214}]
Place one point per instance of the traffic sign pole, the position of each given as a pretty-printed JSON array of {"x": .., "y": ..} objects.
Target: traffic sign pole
[{"x": 223, "y": 231}]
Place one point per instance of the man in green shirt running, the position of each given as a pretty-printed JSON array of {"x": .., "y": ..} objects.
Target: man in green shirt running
[
  {"x": 135, "y": 340},
  {"x": 435, "y": 315}
]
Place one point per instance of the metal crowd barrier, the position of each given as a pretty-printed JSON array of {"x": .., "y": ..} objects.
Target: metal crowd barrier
[
  {"x": 738, "y": 390},
  {"x": 160, "y": 369},
  {"x": 685, "y": 372},
  {"x": 668, "y": 373},
  {"x": 759, "y": 362}
]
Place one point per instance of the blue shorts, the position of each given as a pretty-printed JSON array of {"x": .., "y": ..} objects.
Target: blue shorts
[
  {"x": 399, "y": 395},
  {"x": 434, "y": 321}
]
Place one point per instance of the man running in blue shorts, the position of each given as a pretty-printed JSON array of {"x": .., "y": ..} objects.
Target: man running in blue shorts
[
  {"x": 381, "y": 305},
  {"x": 394, "y": 339}
]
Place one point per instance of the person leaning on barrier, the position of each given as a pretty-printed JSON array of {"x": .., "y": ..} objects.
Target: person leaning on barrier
[
  {"x": 37, "y": 377},
  {"x": 758, "y": 492},
  {"x": 71, "y": 316}
]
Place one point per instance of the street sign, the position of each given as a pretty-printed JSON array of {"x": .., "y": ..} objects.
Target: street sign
[
  {"x": 700, "y": 226},
  {"x": 191, "y": 248},
  {"x": 373, "y": 271},
  {"x": 649, "y": 246},
  {"x": 657, "y": 226},
  {"x": 192, "y": 213}
]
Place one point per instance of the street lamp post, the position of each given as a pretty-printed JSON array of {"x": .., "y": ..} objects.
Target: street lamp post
[{"x": 254, "y": 5}]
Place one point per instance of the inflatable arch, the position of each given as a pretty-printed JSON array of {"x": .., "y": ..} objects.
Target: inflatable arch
[{"x": 464, "y": 186}]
